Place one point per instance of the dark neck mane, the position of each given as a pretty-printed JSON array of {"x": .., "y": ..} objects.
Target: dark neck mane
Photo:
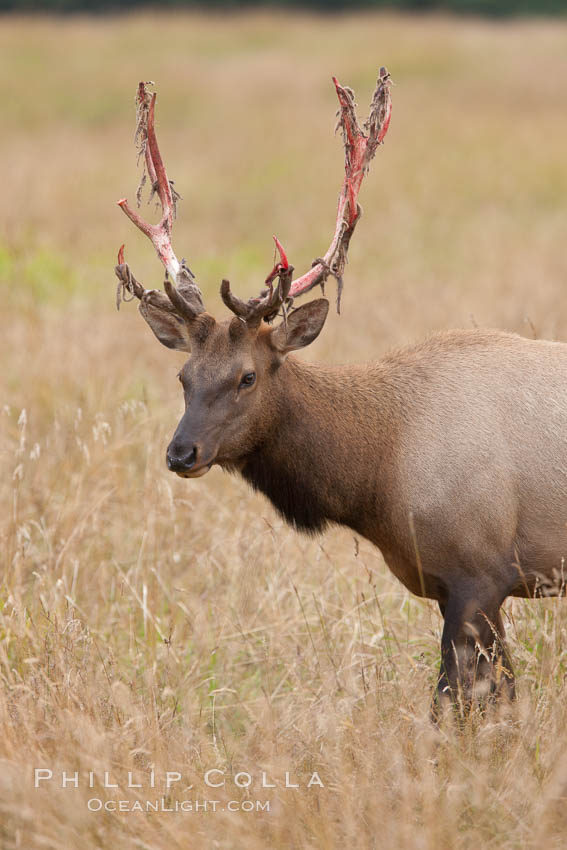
[
  {"x": 311, "y": 465},
  {"x": 294, "y": 497}
]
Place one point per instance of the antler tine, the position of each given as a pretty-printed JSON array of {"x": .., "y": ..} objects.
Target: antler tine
[
  {"x": 267, "y": 305},
  {"x": 187, "y": 296},
  {"x": 360, "y": 148},
  {"x": 239, "y": 308}
]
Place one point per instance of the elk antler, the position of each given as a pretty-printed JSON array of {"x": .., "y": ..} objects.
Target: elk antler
[
  {"x": 360, "y": 148},
  {"x": 268, "y": 303},
  {"x": 185, "y": 299}
]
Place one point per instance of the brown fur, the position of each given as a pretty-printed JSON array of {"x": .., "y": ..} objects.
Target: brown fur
[{"x": 450, "y": 456}]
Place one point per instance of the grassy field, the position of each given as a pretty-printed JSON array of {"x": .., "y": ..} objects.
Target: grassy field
[{"x": 149, "y": 623}]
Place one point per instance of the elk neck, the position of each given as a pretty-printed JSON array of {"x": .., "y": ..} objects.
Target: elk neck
[{"x": 324, "y": 456}]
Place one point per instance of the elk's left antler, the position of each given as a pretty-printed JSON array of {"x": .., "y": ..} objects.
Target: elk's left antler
[{"x": 360, "y": 147}]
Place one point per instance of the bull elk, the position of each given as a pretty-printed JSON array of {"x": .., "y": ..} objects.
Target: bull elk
[{"x": 449, "y": 455}]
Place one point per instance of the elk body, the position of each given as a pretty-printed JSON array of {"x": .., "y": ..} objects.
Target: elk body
[{"x": 450, "y": 455}]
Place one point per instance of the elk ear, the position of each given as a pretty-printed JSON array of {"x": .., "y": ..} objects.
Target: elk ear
[
  {"x": 171, "y": 330},
  {"x": 302, "y": 326}
]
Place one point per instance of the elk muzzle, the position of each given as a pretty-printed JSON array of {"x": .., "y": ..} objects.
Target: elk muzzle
[
  {"x": 186, "y": 463},
  {"x": 181, "y": 462}
]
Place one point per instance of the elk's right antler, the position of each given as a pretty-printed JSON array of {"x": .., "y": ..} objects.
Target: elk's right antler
[{"x": 183, "y": 294}]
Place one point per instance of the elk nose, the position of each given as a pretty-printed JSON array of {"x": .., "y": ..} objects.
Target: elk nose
[{"x": 179, "y": 462}]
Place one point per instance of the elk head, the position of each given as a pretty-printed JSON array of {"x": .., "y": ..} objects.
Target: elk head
[{"x": 228, "y": 382}]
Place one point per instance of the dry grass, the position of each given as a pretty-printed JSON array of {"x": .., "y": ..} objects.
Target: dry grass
[{"x": 146, "y": 621}]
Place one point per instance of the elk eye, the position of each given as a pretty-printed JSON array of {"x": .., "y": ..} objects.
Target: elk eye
[{"x": 248, "y": 379}]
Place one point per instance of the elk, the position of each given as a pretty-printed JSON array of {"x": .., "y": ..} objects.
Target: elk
[{"x": 449, "y": 455}]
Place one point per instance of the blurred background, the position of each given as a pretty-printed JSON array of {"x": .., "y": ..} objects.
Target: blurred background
[
  {"x": 486, "y": 7},
  {"x": 148, "y": 620}
]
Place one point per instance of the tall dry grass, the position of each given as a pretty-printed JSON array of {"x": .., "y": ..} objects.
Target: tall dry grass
[{"x": 149, "y": 623}]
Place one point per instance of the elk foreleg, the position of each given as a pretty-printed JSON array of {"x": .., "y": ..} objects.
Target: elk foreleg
[{"x": 475, "y": 664}]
